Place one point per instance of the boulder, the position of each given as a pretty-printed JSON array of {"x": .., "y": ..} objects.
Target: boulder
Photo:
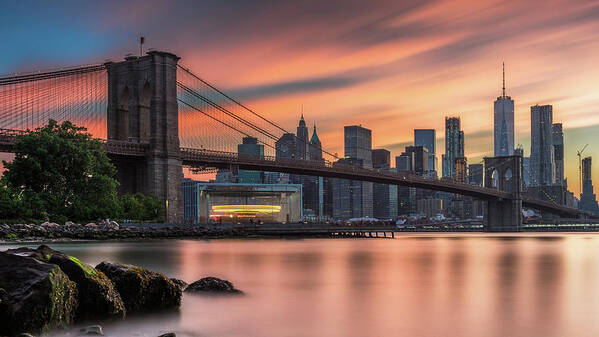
[
  {"x": 212, "y": 285},
  {"x": 182, "y": 284},
  {"x": 142, "y": 290},
  {"x": 34, "y": 296},
  {"x": 98, "y": 298}
]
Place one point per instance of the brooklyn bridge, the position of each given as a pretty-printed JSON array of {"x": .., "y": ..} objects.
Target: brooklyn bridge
[{"x": 157, "y": 118}]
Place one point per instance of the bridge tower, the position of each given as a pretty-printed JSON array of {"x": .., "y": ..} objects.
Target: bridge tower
[
  {"x": 142, "y": 108},
  {"x": 505, "y": 174}
]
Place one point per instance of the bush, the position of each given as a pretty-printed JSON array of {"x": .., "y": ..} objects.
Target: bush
[{"x": 141, "y": 207}]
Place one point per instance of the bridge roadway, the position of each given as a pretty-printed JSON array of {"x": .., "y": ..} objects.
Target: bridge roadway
[{"x": 202, "y": 159}]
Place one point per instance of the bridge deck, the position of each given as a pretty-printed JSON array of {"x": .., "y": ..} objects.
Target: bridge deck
[{"x": 201, "y": 158}]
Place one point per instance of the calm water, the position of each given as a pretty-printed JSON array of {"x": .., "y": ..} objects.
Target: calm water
[{"x": 415, "y": 285}]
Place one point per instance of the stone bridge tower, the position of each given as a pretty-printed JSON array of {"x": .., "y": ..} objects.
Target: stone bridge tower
[
  {"x": 505, "y": 174},
  {"x": 142, "y": 108}
]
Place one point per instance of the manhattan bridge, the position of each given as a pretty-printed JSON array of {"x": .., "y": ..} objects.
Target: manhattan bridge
[{"x": 157, "y": 117}]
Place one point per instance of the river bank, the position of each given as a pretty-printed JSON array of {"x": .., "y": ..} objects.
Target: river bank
[{"x": 70, "y": 231}]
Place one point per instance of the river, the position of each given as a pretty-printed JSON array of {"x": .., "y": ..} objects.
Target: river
[{"x": 414, "y": 285}]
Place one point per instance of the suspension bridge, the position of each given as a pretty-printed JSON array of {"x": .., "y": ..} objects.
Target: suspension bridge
[{"x": 156, "y": 117}]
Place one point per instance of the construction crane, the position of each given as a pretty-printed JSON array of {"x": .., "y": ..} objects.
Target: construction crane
[{"x": 579, "y": 154}]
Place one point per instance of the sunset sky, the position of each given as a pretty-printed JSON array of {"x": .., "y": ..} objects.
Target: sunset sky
[{"x": 391, "y": 66}]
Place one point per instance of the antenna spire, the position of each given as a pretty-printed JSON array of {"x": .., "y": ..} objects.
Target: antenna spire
[{"x": 503, "y": 89}]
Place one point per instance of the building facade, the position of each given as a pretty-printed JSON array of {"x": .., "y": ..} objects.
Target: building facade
[
  {"x": 250, "y": 147},
  {"x": 231, "y": 203},
  {"x": 588, "y": 200},
  {"x": 384, "y": 196},
  {"x": 454, "y": 146},
  {"x": 558, "y": 152},
  {"x": 542, "y": 163},
  {"x": 428, "y": 139},
  {"x": 503, "y": 126}
]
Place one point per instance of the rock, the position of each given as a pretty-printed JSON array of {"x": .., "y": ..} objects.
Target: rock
[
  {"x": 182, "y": 284},
  {"x": 94, "y": 330},
  {"x": 170, "y": 334},
  {"x": 142, "y": 290},
  {"x": 213, "y": 285},
  {"x": 113, "y": 225},
  {"x": 98, "y": 298},
  {"x": 35, "y": 296}
]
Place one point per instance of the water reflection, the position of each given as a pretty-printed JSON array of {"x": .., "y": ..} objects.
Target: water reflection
[{"x": 416, "y": 285}]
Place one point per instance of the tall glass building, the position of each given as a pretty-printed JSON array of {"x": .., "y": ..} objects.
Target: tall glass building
[
  {"x": 250, "y": 147},
  {"x": 428, "y": 139},
  {"x": 542, "y": 162},
  {"x": 504, "y": 124},
  {"x": 558, "y": 152},
  {"x": 454, "y": 146}
]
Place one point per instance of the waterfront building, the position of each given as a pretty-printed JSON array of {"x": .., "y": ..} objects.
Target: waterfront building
[
  {"x": 384, "y": 196},
  {"x": 475, "y": 174},
  {"x": 349, "y": 198},
  {"x": 542, "y": 163},
  {"x": 231, "y": 203},
  {"x": 314, "y": 187},
  {"x": 430, "y": 207},
  {"x": 503, "y": 124},
  {"x": 588, "y": 200},
  {"x": 406, "y": 196},
  {"x": 250, "y": 147},
  {"x": 454, "y": 146},
  {"x": 428, "y": 139},
  {"x": 358, "y": 151},
  {"x": 558, "y": 152}
]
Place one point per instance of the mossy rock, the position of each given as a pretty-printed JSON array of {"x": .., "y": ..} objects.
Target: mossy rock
[
  {"x": 142, "y": 290},
  {"x": 212, "y": 285},
  {"x": 98, "y": 298},
  {"x": 36, "y": 297}
]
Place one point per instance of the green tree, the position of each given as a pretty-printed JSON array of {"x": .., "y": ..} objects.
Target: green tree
[
  {"x": 61, "y": 170},
  {"x": 142, "y": 207}
]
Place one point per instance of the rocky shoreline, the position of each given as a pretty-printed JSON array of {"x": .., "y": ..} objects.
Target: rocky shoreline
[
  {"x": 44, "y": 290},
  {"x": 49, "y": 231}
]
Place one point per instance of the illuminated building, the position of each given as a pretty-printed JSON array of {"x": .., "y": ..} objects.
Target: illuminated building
[
  {"x": 460, "y": 169},
  {"x": 232, "y": 203}
]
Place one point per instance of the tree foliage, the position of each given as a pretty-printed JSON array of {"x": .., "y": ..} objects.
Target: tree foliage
[
  {"x": 61, "y": 171},
  {"x": 141, "y": 207}
]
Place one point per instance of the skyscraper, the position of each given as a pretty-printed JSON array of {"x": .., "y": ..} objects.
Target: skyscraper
[
  {"x": 384, "y": 195},
  {"x": 542, "y": 163},
  {"x": 314, "y": 186},
  {"x": 454, "y": 145},
  {"x": 358, "y": 151},
  {"x": 588, "y": 200},
  {"x": 421, "y": 159},
  {"x": 250, "y": 147},
  {"x": 504, "y": 124},
  {"x": 558, "y": 152},
  {"x": 428, "y": 139},
  {"x": 301, "y": 142},
  {"x": 475, "y": 174},
  {"x": 358, "y": 144}
]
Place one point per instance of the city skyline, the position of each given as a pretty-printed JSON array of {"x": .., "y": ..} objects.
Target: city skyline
[{"x": 363, "y": 71}]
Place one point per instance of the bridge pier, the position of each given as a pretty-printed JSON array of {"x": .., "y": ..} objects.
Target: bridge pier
[
  {"x": 505, "y": 174},
  {"x": 143, "y": 108}
]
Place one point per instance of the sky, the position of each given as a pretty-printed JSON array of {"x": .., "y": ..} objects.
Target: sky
[{"x": 390, "y": 66}]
